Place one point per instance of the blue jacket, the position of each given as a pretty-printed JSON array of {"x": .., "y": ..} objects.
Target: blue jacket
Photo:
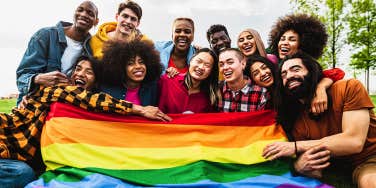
[
  {"x": 43, "y": 54},
  {"x": 148, "y": 93},
  {"x": 165, "y": 49}
]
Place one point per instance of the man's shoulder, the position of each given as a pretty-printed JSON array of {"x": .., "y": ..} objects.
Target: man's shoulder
[
  {"x": 347, "y": 89},
  {"x": 346, "y": 83}
]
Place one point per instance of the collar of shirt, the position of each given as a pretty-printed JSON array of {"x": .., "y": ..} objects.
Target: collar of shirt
[{"x": 244, "y": 90}]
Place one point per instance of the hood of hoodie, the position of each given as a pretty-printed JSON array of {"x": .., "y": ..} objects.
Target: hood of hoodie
[
  {"x": 104, "y": 29},
  {"x": 96, "y": 41}
]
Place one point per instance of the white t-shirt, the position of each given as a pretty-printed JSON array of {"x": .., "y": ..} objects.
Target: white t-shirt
[{"x": 70, "y": 55}]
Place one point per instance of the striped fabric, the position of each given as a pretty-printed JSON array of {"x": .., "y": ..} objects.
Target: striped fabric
[{"x": 84, "y": 149}]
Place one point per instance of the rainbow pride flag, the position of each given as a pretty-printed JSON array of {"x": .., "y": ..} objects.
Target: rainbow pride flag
[{"x": 84, "y": 149}]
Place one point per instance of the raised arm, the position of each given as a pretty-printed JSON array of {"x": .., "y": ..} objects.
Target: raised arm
[
  {"x": 320, "y": 102},
  {"x": 36, "y": 60},
  {"x": 33, "y": 61}
]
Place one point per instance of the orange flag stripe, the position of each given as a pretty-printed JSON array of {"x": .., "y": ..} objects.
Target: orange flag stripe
[{"x": 155, "y": 135}]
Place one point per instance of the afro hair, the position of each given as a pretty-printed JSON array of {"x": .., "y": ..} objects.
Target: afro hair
[
  {"x": 311, "y": 31},
  {"x": 117, "y": 55}
]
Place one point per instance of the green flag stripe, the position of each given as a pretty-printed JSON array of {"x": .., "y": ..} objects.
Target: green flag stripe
[{"x": 198, "y": 171}]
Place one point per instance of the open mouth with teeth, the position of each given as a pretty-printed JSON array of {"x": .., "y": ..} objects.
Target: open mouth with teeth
[
  {"x": 182, "y": 42},
  {"x": 127, "y": 27},
  {"x": 247, "y": 49},
  {"x": 79, "y": 82},
  {"x": 199, "y": 73},
  {"x": 138, "y": 73},
  {"x": 267, "y": 78},
  {"x": 82, "y": 21},
  {"x": 227, "y": 74},
  {"x": 284, "y": 51},
  {"x": 220, "y": 48},
  {"x": 293, "y": 84}
]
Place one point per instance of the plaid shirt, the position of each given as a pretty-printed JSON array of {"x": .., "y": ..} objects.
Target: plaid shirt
[
  {"x": 250, "y": 98},
  {"x": 20, "y": 131}
]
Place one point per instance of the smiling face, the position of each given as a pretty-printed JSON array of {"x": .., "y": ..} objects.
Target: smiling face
[
  {"x": 85, "y": 16},
  {"x": 231, "y": 66},
  {"x": 288, "y": 44},
  {"x": 136, "y": 71},
  {"x": 247, "y": 43},
  {"x": 261, "y": 74},
  {"x": 182, "y": 34},
  {"x": 219, "y": 41},
  {"x": 83, "y": 75},
  {"x": 127, "y": 21},
  {"x": 201, "y": 66},
  {"x": 293, "y": 74}
]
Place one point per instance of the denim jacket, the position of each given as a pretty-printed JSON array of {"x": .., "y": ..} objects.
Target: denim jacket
[
  {"x": 43, "y": 54},
  {"x": 165, "y": 49}
]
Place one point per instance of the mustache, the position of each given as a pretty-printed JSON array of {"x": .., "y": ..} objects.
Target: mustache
[{"x": 293, "y": 79}]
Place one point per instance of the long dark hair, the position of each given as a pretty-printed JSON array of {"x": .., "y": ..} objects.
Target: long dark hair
[
  {"x": 210, "y": 84},
  {"x": 288, "y": 107},
  {"x": 273, "y": 68}
]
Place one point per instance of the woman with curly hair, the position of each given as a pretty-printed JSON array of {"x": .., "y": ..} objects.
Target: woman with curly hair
[
  {"x": 131, "y": 71},
  {"x": 295, "y": 32},
  {"x": 194, "y": 92},
  {"x": 250, "y": 44}
]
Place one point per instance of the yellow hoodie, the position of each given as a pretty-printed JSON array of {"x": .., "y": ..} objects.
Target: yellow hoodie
[{"x": 97, "y": 41}]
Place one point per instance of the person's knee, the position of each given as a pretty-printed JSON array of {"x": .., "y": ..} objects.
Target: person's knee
[
  {"x": 367, "y": 180},
  {"x": 26, "y": 170},
  {"x": 15, "y": 173}
]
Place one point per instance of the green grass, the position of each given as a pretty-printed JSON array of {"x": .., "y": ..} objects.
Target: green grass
[
  {"x": 6, "y": 105},
  {"x": 373, "y": 97}
]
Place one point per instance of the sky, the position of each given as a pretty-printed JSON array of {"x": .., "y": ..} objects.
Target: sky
[{"x": 21, "y": 19}]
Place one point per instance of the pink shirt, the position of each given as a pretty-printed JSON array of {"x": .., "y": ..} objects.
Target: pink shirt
[
  {"x": 132, "y": 96},
  {"x": 174, "y": 97}
]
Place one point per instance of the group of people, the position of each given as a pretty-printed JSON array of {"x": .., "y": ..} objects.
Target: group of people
[{"x": 121, "y": 70}]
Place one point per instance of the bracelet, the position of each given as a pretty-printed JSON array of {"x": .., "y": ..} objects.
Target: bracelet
[{"x": 296, "y": 149}]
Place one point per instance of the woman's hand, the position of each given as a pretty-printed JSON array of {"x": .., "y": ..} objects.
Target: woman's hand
[
  {"x": 150, "y": 112},
  {"x": 278, "y": 149},
  {"x": 172, "y": 72}
]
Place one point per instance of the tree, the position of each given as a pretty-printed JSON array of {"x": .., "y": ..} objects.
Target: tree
[
  {"x": 362, "y": 36},
  {"x": 334, "y": 17},
  {"x": 308, "y": 7}
]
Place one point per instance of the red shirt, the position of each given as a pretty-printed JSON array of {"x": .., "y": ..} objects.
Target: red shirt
[
  {"x": 172, "y": 64},
  {"x": 174, "y": 97}
]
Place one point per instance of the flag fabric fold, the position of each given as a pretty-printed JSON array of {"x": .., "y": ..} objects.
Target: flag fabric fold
[{"x": 85, "y": 149}]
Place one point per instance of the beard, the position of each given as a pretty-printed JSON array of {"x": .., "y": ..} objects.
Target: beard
[{"x": 303, "y": 90}]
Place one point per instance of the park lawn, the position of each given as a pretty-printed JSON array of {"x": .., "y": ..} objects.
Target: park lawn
[
  {"x": 6, "y": 105},
  {"x": 373, "y": 97}
]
